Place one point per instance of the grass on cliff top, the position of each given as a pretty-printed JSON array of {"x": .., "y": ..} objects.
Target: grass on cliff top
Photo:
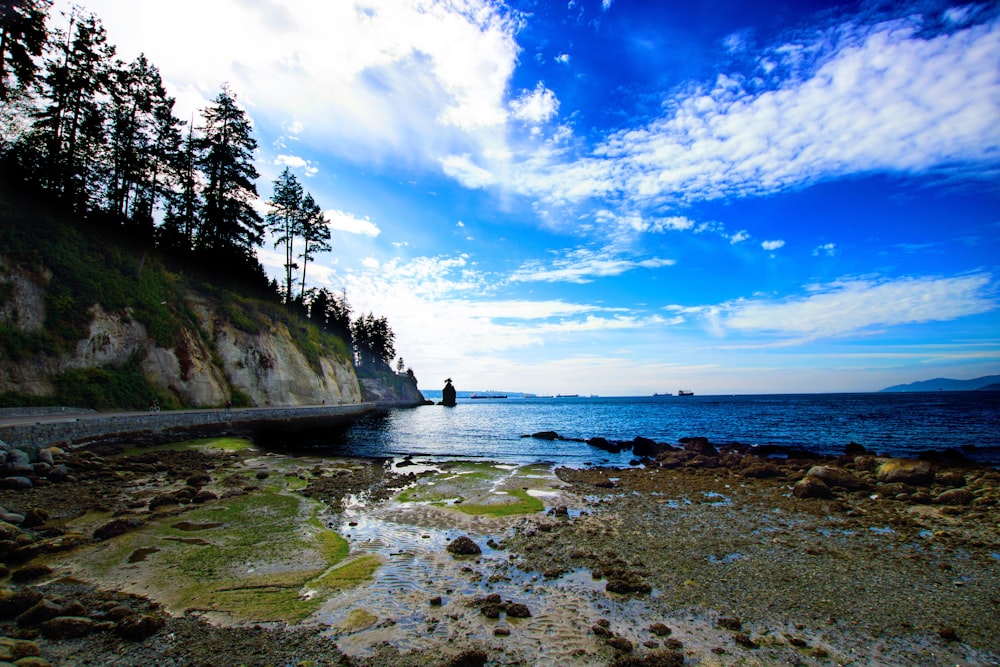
[{"x": 258, "y": 557}]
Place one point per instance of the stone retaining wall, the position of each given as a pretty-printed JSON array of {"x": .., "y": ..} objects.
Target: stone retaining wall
[{"x": 164, "y": 426}]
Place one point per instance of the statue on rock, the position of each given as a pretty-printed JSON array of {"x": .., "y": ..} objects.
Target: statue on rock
[{"x": 448, "y": 394}]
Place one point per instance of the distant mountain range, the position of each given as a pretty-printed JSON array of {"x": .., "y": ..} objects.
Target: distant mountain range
[{"x": 985, "y": 383}]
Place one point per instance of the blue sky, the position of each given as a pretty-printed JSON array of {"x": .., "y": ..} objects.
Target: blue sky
[{"x": 623, "y": 198}]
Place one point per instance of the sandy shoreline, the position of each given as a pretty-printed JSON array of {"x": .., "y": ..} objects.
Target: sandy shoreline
[{"x": 694, "y": 559}]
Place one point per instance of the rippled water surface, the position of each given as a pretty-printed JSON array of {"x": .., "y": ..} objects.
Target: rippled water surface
[{"x": 895, "y": 424}]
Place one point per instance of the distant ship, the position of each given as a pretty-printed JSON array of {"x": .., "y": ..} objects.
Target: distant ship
[
  {"x": 666, "y": 394},
  {"x": 489, "y": 395},
  {"x": 567, "y": 395},
  {"x": 685, "y": 392}
]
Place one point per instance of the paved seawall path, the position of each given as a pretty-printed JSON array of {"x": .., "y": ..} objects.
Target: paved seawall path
[{"x": 67, "y": 428}]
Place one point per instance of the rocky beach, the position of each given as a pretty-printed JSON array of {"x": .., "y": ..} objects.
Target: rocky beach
[{"x": 213, "y": 552}]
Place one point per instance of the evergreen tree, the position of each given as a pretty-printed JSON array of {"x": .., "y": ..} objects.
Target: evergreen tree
[
  {"x": 144, "y": 140},
  {"x": 178, "y": 232},
  {"x": 70, "y": 125},
  {"x": 230, "y": 226},
  {"x": 22, "y": 40},
  {"x": 285, "y": 219},
  {"x": 315, "y": 234},
  {"x": 338, "y": 317},
  {"x": 374, "y": 342}
]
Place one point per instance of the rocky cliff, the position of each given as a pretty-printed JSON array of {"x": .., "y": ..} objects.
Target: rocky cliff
[{"x": 210, "y": 362}]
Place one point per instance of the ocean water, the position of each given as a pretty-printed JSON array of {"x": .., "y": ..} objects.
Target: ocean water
[{"x": 896, "y": 424}]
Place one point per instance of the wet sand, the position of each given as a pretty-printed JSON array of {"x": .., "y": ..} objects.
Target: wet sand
[{"x": 696, "y": 564}]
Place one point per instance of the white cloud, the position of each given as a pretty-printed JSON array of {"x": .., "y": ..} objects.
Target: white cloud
[
  {"x": 855, "y": 305},
  {"x": 308, "y": 168},
  {"x": 851, "y": 100},
  {"x": 828, "y": 249},
  {"x": 347, "y": 222},
  {"x": 772, "y": 245},
  {"x": 582, "y": 266},
  {"x": 462, "y": 169},
  {"x": 739, "y": 237},
  {"x": 536, "y": 106},
  {"x": 406, "y": 78},
  {"x": 562, "y": 59}
]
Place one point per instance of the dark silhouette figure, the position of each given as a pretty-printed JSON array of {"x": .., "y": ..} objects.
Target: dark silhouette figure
[{"x": 448, "y": 394}]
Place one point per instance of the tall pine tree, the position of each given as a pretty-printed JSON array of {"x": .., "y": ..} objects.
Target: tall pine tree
[
  {"x": 70, "y": 124},
  {"x": 230, "y": 227},
  {"x": 22, "y": 39},
  {"x": 285, "y": 220},
  {"x": 315, "y": 235}
]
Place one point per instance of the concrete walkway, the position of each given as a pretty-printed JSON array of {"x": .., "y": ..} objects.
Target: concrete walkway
[{"x": 75, "y": 428}]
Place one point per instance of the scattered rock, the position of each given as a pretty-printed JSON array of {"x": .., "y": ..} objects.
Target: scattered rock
[
  {"x": 68, "y": 627},
  {"x": 664, "y": 658},
  {"x": 729, "y": 623},
  {"x": 139, "y": 626},
  {"x": 14, "y": 602},
  {"x": 811, "y": 487},
  {"x": 834, "y": 476},
  {"x": 468, "y": 658},
  {"x": 463, "y": 546},
  {"x": 908, "y": 471},
  {"x": 699, "y": 445},
  {"x": 660, "y": 629},
  {"x": 40, "y": 612},
  {"x": 619, "y": 643},
  {"x": 116, "y": 527},
  {"x": 955, "y": 497}
]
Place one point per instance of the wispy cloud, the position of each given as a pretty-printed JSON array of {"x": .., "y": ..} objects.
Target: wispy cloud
[
  {"x": 853, "y": 305},
  {"x": 582, "y": 265},
  {"x": 848, "y": 100}
]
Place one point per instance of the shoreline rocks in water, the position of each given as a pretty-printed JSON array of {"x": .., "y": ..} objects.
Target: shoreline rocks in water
[{"x": 698, "y": 530}]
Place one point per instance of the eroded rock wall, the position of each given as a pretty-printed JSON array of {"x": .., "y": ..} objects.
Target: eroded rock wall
[{"x": 206, "y": 364}]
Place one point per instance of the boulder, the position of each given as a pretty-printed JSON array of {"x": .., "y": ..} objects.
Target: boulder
[
  {"x": 907, "y": 471},
  {"x": 41, "y": 611},
  {"x": 699, "y": 445},
  {"x": 645, "y": 447},
  {"x": 811, "y": 487},
  {"x": 14, "y": 602},
  {"x": 955, "y": 497},
  {"x": 139, "y": 626},
  {"x": 834, "y": 476},
  {"x": 68, "y": 627},
  {"x": 9, "y": 531},
  {"x": 116, "y": 527},
  {"x": 463, "y": 546},
  {"x": 854, "y": 449}
]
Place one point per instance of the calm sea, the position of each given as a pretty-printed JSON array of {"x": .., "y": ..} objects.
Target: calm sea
[{"x": 893, "y": 424}]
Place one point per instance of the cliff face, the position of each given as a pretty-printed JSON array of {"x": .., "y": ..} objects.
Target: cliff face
[{"x": 207, "y": 363}]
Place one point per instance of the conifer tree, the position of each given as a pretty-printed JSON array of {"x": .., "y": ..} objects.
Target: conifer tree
[
  {"x": 230, "y": 226},
  {"x": 144, "y": 140},
  {"x": 22, "y": 40},
  {"x": 315, "y": 234},
  {"x": 285, "y": 220},
  {"x": 70, "y": 124}
]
